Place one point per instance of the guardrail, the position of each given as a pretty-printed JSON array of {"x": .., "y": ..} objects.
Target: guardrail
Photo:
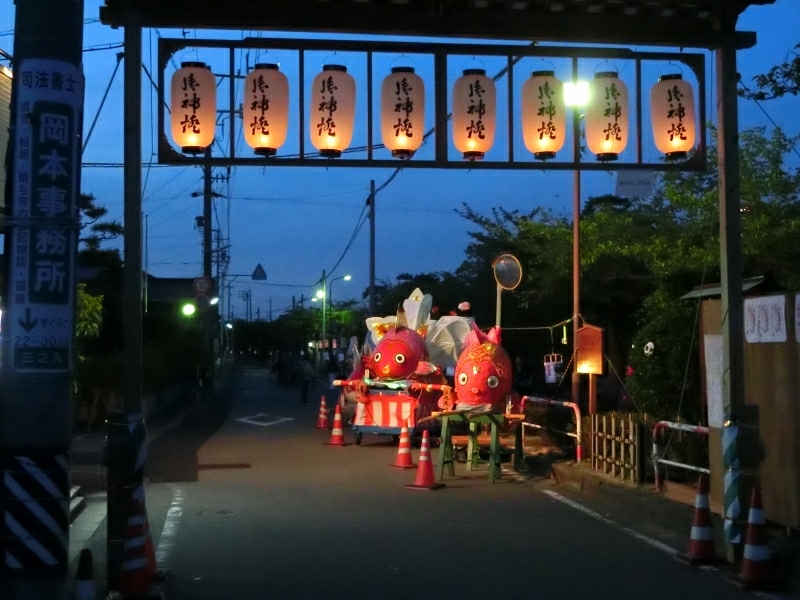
[
  {"x": 658, "y": 460},
  {"x": 572, "y": 405}
]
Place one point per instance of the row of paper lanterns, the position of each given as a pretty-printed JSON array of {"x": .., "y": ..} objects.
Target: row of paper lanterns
[{"x": 474, "y": 112}]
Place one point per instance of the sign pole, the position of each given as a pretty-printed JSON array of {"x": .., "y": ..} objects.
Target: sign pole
[{"x": 39, "y": 320}]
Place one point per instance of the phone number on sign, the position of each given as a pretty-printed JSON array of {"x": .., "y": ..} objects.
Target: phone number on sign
[{"x": 52, "y": 341}]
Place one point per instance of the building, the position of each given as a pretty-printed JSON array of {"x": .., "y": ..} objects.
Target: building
[{"x": 5, "y": 124}]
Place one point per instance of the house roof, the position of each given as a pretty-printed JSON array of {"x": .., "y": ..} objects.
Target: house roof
[
  {"x": 715, "y": 289},
  {"x": 687, "y": 23}
]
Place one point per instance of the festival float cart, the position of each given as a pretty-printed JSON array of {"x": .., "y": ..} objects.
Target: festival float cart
[{"x": 398, "y": 374}]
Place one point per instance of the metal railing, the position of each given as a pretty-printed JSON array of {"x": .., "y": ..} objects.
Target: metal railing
[
  {"x": 576, "y": 434},
  {"x": 661, "y": 425}
]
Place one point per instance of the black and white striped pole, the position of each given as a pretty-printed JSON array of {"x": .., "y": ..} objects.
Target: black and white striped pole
[{"x": 41, "y": 241}]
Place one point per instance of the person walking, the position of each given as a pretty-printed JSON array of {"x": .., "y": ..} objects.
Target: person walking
[{"x": 307, "y": 376}]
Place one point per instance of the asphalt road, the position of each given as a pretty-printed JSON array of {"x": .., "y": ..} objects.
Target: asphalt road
[{"x": 247, "y": 511}]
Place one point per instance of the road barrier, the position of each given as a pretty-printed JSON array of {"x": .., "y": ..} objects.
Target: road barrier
[
  {"x": 572, "y": 405},
  {"x": 661, "y": 425}
]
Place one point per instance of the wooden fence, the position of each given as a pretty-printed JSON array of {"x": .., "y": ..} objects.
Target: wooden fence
[{"x": 618, "y": 447}]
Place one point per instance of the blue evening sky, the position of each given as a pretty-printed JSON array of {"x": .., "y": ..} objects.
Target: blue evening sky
[{"x": 297, "y": 221}]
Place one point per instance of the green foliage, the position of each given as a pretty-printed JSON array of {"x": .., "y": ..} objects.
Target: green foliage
[
  {"x": 780, "y": 80},
  {"x": 89, "y": 313}
]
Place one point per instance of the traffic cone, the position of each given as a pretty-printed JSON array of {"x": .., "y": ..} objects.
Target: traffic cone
[
  {"x": 84, "y": 580},
  {"x": 404, "y": 459},
  {"x": 424, "y": 479},
  {"x": 322, "y": 419},
  {"x": 756, "y": 572},
  {"x": 136, "y": 575},
  {"x": 337, "y": 435},
  {"x": 701, "y": 540}
]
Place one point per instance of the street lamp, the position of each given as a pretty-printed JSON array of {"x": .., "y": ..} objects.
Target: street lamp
[
  {"x": 576, "y": 95},
  {"x": 330, "y": 287}
]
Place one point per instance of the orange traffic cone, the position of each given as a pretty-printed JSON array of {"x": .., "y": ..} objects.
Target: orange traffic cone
[
  {"x": 424, "y": 479},
  {"x": 322, "y": 419},
  {"x": 84, "y": 580},
  {"x": 136, "y": 576},
  {"x": 404, "y": 459},
  {"x": 337, "y": 435},
  {"x": 756, "y": 572},
  {"x": 701, "y": 540}
]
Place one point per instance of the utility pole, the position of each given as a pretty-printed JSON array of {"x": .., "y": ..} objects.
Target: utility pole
[
  {"x": 208, "y": 333},
  {"x": 324, "y": 315},
  {"x": 36, "y": 402},
  {"x": 372, "y": 308},
  {"x": 270, "y": 310}
]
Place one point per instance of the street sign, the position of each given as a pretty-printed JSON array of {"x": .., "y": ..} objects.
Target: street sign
[
  {"x": 202, "y": 285},
  {"x": 259, "y": 274},
  {"x": 202, "y": 302},
  {"x": 41, "y": 301},
  {"x": 635, "y": 184}
]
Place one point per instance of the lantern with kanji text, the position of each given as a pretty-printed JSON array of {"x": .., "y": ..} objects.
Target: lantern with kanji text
[
  {"x": 333, "y": 108},
  {"x": 266, "y": 109},
  {"x": 402, "y": 112},
  {"x": 474, "y": 113},
  {"x": 672, "y": 114},
  {"x": 607, "y": 116},
  {"x": 193, "y": 107},
  {"x": 543, "y": 114}
]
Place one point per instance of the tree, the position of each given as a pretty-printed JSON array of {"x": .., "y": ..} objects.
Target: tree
[
  {"x": 779, "y": 81},
  {"x": 98, "y": 231}
]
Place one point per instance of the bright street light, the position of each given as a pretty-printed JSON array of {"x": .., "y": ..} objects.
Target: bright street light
[
  {"x": 314, "y": 299},
  {"x": 347, "y": 277},
  {"x": 214, "y": 300},
  {"x": 320, "y": 294},
  {"x": 229, "y": 325},
  {"x": 576, "y": 93}
]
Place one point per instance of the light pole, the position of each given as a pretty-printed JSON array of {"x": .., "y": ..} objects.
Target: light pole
[{"x": 576, "y": 95}]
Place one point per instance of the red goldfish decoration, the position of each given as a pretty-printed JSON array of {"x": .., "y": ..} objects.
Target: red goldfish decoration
[
  {"x": 483, "y": 371},
  {"x": 398, "y": 354}
]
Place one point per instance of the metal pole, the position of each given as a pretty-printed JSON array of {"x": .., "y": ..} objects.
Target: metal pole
[
  {"x": 207, "y": 194},
  {"x": 498, "y": 310},
  {"x": 372, "y": 308},
  {"x": 734, "y": 494},
  {"x": 576, "y": 281},
  {"x": 324, "y": 315},
  {"x": 36, "y": 401}
]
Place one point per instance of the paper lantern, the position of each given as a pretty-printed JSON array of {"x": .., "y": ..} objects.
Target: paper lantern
[
  {"x": 474, "y": 113},
  {"x": 543, "y": 114},
  {"x": 672, "y": 114},
  {"x": 402, "y": 112},
  {"x": 266, "y": 109},
  {"x": 607, "y": 116},
  {"x": 193, "y": 107},
  {"x": 333, "y": 107}
]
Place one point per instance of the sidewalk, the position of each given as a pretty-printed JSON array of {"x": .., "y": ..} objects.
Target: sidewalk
[{"x": 649, "y": 514}]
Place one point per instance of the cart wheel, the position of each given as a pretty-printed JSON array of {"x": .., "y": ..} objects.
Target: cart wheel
[{"x": 358, "y": 439}]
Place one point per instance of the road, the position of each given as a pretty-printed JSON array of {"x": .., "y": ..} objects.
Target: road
[{"x": 247, "y": 511}]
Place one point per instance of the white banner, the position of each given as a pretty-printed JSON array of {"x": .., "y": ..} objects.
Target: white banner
[
  {"x": 712, "y": 348},
  {"x": 765, "y": 319}
]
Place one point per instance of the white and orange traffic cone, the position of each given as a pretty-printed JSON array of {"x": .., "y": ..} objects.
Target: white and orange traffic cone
[
  {"x": 404, "y": 459},
  {"x": 84, "y": 580},
  {"x": 322, "y": 419},
  {"x": 136, "y": 576},
  {"x": 424, "y": 479},
  {"x": 757, "y": 573},
  {"x": 337, "y": 435},
  {"x": 701, "y": 540}
]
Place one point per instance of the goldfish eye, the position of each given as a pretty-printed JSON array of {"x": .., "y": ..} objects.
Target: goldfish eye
[
  {"x": 376, "y": 357},
  {"x": 399, "y": 359},
  {"x": 492, "y": 381},
  {"x": 462, "y": 379}
]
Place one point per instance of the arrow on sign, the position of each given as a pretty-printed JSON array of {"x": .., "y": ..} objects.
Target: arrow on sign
[{"x": 27, "y": 324}]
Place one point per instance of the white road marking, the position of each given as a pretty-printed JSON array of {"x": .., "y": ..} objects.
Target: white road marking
[
  {"x": 587, "y": 511},
  {"x": 166, "y": 542},
  {"x": 253, "y": 420}
]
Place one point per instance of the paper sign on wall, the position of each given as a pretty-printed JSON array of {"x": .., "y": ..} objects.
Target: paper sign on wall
[
  {"x": 765, "y": 319},
  {"x": 797, "y": 318},
  {"x": 712, "y": 346}
]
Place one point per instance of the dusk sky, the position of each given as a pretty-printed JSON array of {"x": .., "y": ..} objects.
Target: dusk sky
[{"x": 297, "y": 221}]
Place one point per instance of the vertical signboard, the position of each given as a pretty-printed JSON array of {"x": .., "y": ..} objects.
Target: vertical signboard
[
  {"x": 41, "y": 274},
  {"x": 5, "y": 124}
]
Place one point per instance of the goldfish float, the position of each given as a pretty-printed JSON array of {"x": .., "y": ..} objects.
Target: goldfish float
[{"x": 482, "y": 374}]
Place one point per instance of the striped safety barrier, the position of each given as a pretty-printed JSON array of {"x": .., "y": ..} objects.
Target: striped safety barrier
[{"x": 35, "y": 524}]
